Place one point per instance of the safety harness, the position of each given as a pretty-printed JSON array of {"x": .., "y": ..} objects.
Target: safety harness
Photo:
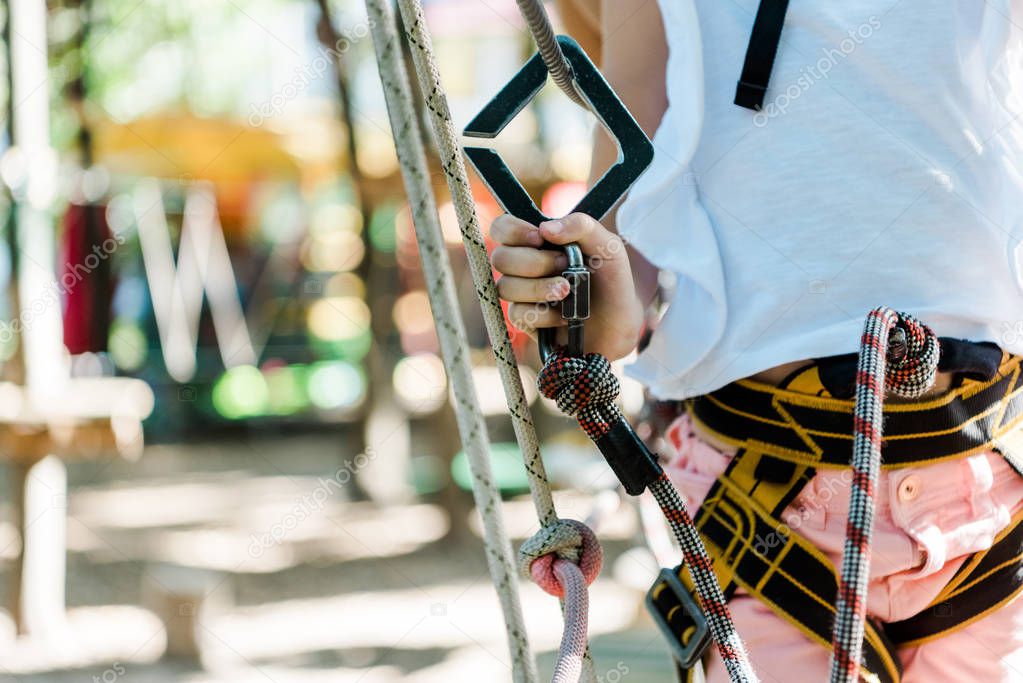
[{"x": 784, "y": 435}]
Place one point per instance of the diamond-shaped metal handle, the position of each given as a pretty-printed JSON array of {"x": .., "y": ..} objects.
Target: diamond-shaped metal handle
[{"x": 635, "y": 152}]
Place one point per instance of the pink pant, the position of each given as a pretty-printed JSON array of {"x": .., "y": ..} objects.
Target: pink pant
[{"x": 929, "y": 519}]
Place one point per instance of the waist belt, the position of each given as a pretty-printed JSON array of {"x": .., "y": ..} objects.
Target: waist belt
[
  {"x": 817, "y": 431},
  {"x": 783, "y": 437}
]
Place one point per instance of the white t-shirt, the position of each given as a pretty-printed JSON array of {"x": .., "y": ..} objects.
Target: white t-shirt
[{"x": 885, "y": 169}]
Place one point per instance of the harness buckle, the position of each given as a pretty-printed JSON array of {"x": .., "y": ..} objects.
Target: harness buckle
[{"x": 687, "y": 654}]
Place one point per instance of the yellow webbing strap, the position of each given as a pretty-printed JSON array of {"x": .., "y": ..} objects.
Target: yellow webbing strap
[
  {"x": 806, "y": 427},
  {"x": 754, "y": 550}
]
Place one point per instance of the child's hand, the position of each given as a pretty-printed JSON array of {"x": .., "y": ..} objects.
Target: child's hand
[{"x": 531, "y": 279}]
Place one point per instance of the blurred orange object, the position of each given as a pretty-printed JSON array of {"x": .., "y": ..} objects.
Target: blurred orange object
[{"x": 186, "y": 147}]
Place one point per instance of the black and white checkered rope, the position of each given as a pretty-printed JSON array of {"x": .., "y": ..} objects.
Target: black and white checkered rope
[
  {"x": 586, "y": 388},
  {"x": 708, "y": 590},
  {"x": 898, "y": 354}
]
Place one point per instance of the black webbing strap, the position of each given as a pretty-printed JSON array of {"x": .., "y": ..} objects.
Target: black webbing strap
[
  {"x": 817, "y": 430},
  {"x": 763, "y": 46},
  {"x": 754, "y": 551}
]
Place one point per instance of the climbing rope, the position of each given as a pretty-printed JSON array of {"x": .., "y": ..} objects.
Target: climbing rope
[
  {"x": 563, "y": 559},
  {"x": 475, "y": 247},
  {"x": 586, "y": 388},
  {"x": 547, "y": 45},
  {"x": 571, "y": 662},
  {"x": 547, "y": 543},
  {"x": 897, "y": 354},
  {"x": 450, "y": 329}
]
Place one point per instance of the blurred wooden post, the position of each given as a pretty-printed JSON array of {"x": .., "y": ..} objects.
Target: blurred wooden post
[
  {"x": 384, "y": 479},
  {"x": 38, "y": 573},
  {"x": 51, "y": 415},
  {"x": 95, "y": 416},
  {"x": 182, "y": 597},
  {"x": 40, "y": 600}
]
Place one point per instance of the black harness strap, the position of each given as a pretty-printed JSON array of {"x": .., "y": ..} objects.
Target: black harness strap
[
  {"x": 754, "y": 551},
  {"x": 783, "y": 436},
  {"x": 816, "y": 431},
  {"x": 763, "y": 46}
]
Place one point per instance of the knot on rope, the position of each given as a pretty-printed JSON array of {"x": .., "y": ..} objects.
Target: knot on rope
[
  {"x": 582, "y": 387},
  {"x": 913, "y": 353},
  {"x": 578, "y": 383},
  {"x": 566, "y": 540}
]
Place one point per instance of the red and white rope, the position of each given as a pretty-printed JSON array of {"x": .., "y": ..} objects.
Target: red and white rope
[
  {"x": 898, "y": 354},
  {"x": 586, "y": 388}
]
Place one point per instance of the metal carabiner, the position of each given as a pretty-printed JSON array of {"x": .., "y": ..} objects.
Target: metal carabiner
[
  {"x": 635, "y": 154},
  {"x": 575, "y": 307}
]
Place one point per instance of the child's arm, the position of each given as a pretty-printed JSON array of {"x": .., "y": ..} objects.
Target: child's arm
[{"x": 634, "y": 57}]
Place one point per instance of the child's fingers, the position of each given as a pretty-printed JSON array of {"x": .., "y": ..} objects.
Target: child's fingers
[
  {"x": 532, "y": 289},
  {"x": 530, "y": 317},
  {"x": 593, "y": 238},
  {"x": 514, "y": 232},
  {"x": 528, "y": 261}
]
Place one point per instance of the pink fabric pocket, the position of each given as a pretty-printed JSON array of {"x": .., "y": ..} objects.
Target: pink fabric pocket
[{"x": 694, "y": 464}]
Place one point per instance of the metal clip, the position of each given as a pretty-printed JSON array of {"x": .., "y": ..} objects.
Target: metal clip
[
  {"x": 575, "y": 307},
  {"x": 636, "y": 153},
  {"x": 898, "y": 345}
]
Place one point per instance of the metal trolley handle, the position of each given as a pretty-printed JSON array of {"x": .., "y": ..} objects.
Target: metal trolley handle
[{"x": 635, "y": 152}]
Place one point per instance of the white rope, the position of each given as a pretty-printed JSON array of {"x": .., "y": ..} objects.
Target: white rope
[
  {"x": 450, "y": 330},
  {"x": 457, "y": 179},
  {"x": 476, "y": 251}
]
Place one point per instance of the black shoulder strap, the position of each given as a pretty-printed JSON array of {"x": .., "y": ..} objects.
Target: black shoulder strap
[{"x": 763, "y": 46}]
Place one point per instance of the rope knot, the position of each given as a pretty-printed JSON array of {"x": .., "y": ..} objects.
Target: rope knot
[
  {"x": 578, "y": 384},
  {"x": 565, "y": 540},
  {"x": 913, "y": 353}
]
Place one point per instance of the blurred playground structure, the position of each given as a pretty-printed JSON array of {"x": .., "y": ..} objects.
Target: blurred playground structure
[{"x": 228, "y": 451}]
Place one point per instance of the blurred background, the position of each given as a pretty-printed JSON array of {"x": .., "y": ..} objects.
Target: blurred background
[{"x": 227, "y": 451}]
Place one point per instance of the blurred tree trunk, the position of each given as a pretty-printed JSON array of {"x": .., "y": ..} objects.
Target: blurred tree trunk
[
  {"x": 14, "y": 367},
  {"x": 379, "y": 367}
]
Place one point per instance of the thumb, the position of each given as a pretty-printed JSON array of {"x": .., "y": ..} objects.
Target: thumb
[{"x": 593, "y": 238}]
